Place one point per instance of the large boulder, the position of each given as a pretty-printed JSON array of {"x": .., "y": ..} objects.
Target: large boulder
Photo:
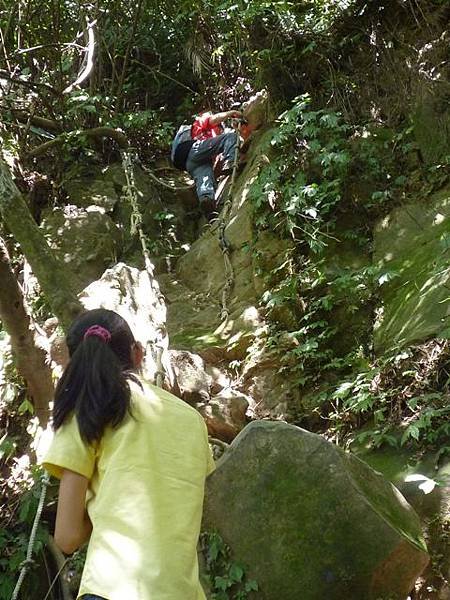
[
  {"x": 426, "y": 486},
  {"x": 310, "y": 521},
  {"x": 92, "y": 189}
]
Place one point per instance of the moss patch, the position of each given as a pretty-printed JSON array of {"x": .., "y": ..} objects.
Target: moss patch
[{"x": 412, "y": 247}]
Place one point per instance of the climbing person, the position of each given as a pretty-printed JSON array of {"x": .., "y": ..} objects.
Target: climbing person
[
  {"x": 132, "y": 461},
  {"x": 196, "y": 147}
]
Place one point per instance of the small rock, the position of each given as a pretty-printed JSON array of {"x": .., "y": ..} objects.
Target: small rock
[
  {"x": 225, "y": 414},
  {"x": 219, "y": 379},
  {"x": 192, "y": 383}
]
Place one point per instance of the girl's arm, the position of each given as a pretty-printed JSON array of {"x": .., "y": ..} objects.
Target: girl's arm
[{"x": 73, "y": 526}]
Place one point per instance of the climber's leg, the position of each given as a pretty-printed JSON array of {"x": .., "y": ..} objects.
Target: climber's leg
[
  {"x": 203, "y": 175},
  {"x": 206, "y": 150}
]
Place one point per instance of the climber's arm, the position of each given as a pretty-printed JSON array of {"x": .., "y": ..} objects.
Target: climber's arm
[
  {"x": 73, "y": 526},
  {"x": 222, "y": 116}
]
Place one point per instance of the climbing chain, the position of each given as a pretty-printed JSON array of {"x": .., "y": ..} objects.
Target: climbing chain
[
  {"x": 223, "y": 242},
  {"x": 28, "y": 562},
  {"x": 131, "y": 195}
]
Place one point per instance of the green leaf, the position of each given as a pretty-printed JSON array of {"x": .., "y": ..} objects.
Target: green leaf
[
  {"x": 412, "y": 431},
  {"x": 251, "y": 586},
  {"x": 343, "y": 390},
  {"x": 222, "y": 583},
  {"x": 236, "y": 572},
  {"x": 26, "y": 406}
]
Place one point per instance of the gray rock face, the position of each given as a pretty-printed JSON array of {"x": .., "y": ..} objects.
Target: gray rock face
[
  {"x": 426, "y": 486},
  {"x": 96, "y": 190},
  {"x": 137, "y": 299},
  {"x": 225, "y": 414},
  {"x": 86, "y": 240},
  {"x": 311, "y": 522},
  {"x": 255, "y": 109},
  {"x": 191, "y": 381}
]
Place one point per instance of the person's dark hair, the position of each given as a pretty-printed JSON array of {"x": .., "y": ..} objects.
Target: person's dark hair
[{"x": 94, "y": 384}]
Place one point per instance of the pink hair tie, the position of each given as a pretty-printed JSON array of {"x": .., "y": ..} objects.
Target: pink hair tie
[{"x": 98, "y": 331}]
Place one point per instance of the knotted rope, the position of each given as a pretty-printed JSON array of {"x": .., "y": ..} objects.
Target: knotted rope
[
  {"x": 26, "y": 564},
  {"x": 131, "y": 195}
]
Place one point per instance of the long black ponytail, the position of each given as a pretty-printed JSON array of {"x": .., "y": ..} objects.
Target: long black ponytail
[{"x": 94, "y": 384}]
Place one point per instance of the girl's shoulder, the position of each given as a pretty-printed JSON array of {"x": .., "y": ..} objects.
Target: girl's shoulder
[{"x": 144, "y": 393}]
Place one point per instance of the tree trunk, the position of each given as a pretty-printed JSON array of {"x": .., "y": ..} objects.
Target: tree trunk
[
  {"x": 31, "y": 359},
  {"x": 53, "y": 277}
]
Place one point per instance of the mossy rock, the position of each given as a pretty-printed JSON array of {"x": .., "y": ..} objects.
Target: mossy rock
[
  {"x": 432, "y": 126},
  {"x": 412, "y": 248},
  {"x": 311, "y": 521},
  {"x": 85, "y": 240}
]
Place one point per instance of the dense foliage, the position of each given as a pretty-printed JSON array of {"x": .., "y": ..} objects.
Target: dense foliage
[{"x": 325, "y": 185}]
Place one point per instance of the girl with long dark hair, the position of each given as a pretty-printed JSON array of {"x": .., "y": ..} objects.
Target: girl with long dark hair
[{"x": 132, "y": 461}]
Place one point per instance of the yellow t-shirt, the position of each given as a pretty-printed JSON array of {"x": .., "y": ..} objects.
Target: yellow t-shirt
[{"x": 145, "y": 498}]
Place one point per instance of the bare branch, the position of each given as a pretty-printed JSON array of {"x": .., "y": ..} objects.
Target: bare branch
[
  {"x": 159, "y": 72},
  {"x": 96, "y": 133},
  {"x": 126, "y": 58},
  {"x": 67, "y": 45},
  {"x": 44, "y": 123},
  {"x": 89, "y": 60},
  {"x": 60, "y": 563},
  {"x": 5, "y": 54}
]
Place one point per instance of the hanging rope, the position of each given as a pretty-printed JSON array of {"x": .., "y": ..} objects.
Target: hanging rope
[
  {"x": 24, "y": 567},
  {"x": 223, "y": 242},
  {"x": 130, "y": 194}
]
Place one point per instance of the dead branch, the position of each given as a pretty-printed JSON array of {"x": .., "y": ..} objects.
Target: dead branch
[
  {"x": 95, "y": 133},
  {"x": 60, "y": 563},
  {"x": 5, "y": 54},
  {"x": 86, "y": 71},
  {"x": 31, "y": 357},
  {"x": 44, "y": 123},
  {"x": 52, "y": 45}
]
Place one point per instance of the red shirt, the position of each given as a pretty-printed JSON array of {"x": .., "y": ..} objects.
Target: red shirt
[{"x": 202, "y": 128}]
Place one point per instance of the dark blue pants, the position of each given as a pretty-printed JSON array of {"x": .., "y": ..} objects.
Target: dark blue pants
[
  {"x": 92, "y": 597},
  {"x": 199, "y": 162}
]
